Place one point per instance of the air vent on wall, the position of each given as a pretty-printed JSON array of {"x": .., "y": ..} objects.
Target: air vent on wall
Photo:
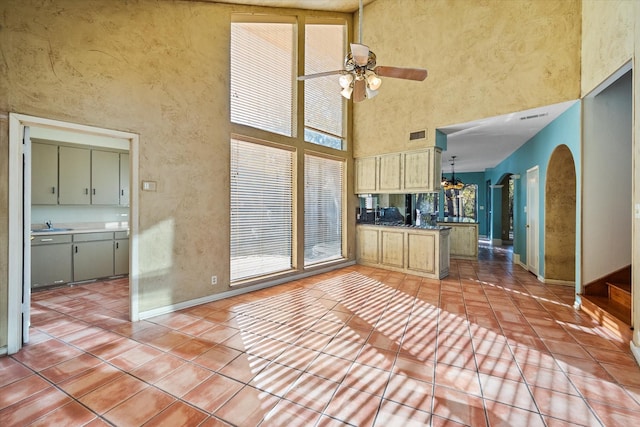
[
  {"x": 535, "y": 116},
  {"x": 420, "y": 134}
]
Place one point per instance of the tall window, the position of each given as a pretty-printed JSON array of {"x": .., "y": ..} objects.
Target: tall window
[
  {"x": 324, "y": 107},
  {"x": 262, "y": 75},
  {"x": 323, "y": 190},
  {"x": 261, "y": 209}
]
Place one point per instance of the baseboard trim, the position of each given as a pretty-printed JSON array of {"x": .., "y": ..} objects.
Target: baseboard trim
[
  {"x": 559, "y": 282},
  {"x": 636, "y": 351},
  {"x": 234, "y": 292}
]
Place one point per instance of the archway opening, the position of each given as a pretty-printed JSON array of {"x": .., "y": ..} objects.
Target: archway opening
[{"x": 560, "y": 216}]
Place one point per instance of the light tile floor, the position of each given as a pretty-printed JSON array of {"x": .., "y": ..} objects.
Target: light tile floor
[{"x": 489, "y": 345}]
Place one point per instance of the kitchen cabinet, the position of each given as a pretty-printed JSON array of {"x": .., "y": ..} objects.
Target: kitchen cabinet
[
  {"x": 44, "y": 174},
  {"x": 105, "y": 177},
  {"x": 78, "y": 176},
  {"x": 419, "y": 251},
  {"x": 464, "y": 239},
  {"x": 422, "y": 170},
  {"x": 92, "y": 255},
  {"x": 121, "y": 253},
  {"x": 392, "y": 248},
  {"x": 417, "y": 171},
  {"x": 390, "y": 173},
  {"x": 50, "y": 260},
  {"x": 366, "y": 175},
  {"x": 367, "y": 245},
  {"x": 74, "y": 175},
  {"x": 124, "y": 179}
]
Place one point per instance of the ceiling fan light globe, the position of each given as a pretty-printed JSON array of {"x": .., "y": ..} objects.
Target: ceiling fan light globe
[
  {"x": 345, "y": 80},
  {"x": 373, "y": 81},
  {"x": 346, "y": 92}
]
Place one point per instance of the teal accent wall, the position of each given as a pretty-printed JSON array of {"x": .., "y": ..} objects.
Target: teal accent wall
[
  {"x": 565, "y": 130},
  {"x": 441, "y": 140}
]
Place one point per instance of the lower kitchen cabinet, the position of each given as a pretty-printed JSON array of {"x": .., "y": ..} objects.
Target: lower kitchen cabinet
[
  {"x": 121, "y": 253},
  {"x": 419, "y": 251},
  {"x": 392, "y": 248},
  {"x": 92, "y": 256},
  {"x": 50, "y": 260}
]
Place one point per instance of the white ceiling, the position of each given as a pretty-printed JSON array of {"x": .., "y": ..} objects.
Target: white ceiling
[
  {"x": 477, "y": 145},
  {"x": 484, "y": 143}
]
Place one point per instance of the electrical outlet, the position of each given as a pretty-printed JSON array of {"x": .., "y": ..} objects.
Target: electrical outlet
[{"x": 214, "y": 280}]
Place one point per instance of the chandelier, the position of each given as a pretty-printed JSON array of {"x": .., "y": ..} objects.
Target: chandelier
[{"x": 453, "y": 183}]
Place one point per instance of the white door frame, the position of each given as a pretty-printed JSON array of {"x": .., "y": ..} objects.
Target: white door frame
[
  {"x": 533, "y": 219},
  {"x": 17, "y": 123}
]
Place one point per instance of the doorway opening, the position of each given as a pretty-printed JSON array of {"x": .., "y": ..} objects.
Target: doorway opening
[{"x": 19, "y": 267}]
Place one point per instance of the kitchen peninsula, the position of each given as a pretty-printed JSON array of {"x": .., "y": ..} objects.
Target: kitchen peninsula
[
  {"x": 464, "y": 236},
  {"x": 419, "y": 250}
]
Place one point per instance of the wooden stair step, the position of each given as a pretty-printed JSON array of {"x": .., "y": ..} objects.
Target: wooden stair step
[
  {"x": 608, "y": 313},
  {"x": 620, "y": 293}
]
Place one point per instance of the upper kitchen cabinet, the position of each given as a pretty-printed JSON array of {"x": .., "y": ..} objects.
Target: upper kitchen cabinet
[
  {"x": 74, "y": 176},
  {"x": 422, "y": 170},
  {"x": 417, "y": 171},
  {"x": 366, "y": 175},
  {"x": 124, "y": 179},
  {"x": 105, "y": 178},
  {"x": 78, "y": 175},
  {"x": 390, "y": 173},
  {"x": 44, "y": 174}
]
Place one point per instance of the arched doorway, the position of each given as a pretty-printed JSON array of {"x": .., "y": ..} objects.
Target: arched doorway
[{"x": 560, "y": 216}]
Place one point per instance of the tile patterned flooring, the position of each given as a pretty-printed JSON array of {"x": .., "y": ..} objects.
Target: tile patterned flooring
[{"x": 488, "y": 346}]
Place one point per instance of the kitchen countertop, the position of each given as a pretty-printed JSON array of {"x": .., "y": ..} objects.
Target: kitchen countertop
[
  {"x": 76, "y": 228},
  {"x": 409, "y": 227}
]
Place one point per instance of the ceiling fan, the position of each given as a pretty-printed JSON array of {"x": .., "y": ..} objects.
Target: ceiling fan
[{"x": 361, "y": 76}]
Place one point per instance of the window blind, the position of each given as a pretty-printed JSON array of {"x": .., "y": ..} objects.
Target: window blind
[
  {"x": 261, "y": 209},
  {"x": 262, "y": 76},
  {"x": 323, "y": 190},
  {"x": 323, "y": 105}
]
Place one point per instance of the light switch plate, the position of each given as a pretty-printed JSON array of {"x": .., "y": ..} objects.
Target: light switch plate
[{"x": 149, "y": 185}]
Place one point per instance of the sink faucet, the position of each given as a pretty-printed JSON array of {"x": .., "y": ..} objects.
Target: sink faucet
[{"x": 48, "y": 223}]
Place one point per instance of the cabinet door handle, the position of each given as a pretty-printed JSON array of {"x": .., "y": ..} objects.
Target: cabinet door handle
[
  {"x": 94, "y": 191},
  {"x": 86, "y": 191},
  {"x": 46, "y": 240},
  {"x": 53, "y": 190},
  {"x": 122, "y": 192},
  {"x": 76, "y": 248}
]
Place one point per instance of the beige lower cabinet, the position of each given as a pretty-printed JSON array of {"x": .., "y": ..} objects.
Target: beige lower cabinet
[
  {"x": 422, "y": 252},
  {"x": 464, "y": 240},
  {"x": 368, "y": 245},
  {"x": 392, "y": 248}
]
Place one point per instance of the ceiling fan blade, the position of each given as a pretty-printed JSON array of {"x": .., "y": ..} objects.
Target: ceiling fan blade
[
  {"x": 418, "y": 74},
  {"x": 360, "y": 54},
  {"x": 359, "y": 90},
  {"x": 323, "y": 74}
]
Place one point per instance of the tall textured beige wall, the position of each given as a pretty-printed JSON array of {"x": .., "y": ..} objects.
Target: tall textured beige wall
[
  {"x": 607, "y": 39},
  {"x": 156, "y": 68},
  {"x": 484, "y": 58}
]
